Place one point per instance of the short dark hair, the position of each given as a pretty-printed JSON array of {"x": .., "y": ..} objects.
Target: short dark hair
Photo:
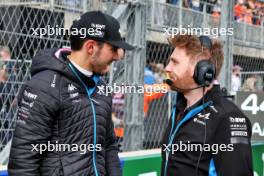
[{"x": 77, "y": 43}]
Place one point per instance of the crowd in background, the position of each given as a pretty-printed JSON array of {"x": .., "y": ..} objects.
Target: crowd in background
[{"x": 247, "y": 11}]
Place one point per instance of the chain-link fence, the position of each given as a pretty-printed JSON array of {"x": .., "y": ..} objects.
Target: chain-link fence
[
  {"x": 16, "y": 73},
  {"x": 139, "y": 120},
  {"x": 18, "y": 44},
  {"x": 251, "y": 73}
]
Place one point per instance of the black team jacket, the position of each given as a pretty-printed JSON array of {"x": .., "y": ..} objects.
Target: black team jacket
[
  {"x": 212, "y": 137},
  {"x": 53, "y": 108}
]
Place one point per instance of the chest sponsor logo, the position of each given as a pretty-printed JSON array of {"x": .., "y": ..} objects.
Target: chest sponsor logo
[
  {"x": 74, "y": 95},
  {"x": 237, "y": 120},
  {"x": 30, "y": 95},
  {"x": 24, "y": 102},
  {"x": 239, "y": 133}
]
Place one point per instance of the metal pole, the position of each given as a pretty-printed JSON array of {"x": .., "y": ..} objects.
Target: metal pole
[
  {"x": 134, "y": 74},
  {"x": 52, "y": 4},
  {"x": 227, "y": 22},
  {"x": 85, "y": 5},
  {"x": 153, "y": 8},
  {"x": 180, "y": 13},
  {"x": 262, "y": 33}
]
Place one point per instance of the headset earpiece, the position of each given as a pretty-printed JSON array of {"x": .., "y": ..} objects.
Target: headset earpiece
[{"x": 204, "y": 72}]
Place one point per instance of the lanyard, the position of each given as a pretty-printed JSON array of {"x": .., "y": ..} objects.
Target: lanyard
[{"x": 89, "y": 93}]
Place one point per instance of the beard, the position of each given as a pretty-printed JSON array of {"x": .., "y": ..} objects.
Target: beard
[
  {"x": 182, "y": 84},
  {"x": 99, "y": 65}
]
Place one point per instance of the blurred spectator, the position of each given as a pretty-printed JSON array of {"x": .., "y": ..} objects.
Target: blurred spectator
[
  {"x": 250, "y": 84},
  {"x": 11, "y": 67},
  {"x": 208, "y": 5},
  {"x": 258, "y": 14},
  {"x": 239, "y": 10},
  {"x": 175, "y": 2},
  {"x": 10, "y": 86},
  {"x": 259, "y": 84},
  {"x": 159, "y": 73},
  {"x": 186, "y": 4},
  {"x": 195, "y": 4},
  {"x": 148, "y": 76},
  {"x": 5, "y": 54},
  {"x": 216, "y": 15},
  {"x": 118, "y": 105},
  {"x": 236, "y": 78},
  {"x": 150, "y": 96},
  {"x": 7, "y": 64},
  {"x": 248, "y": 18},
  {"x": 3, "y": 79}
]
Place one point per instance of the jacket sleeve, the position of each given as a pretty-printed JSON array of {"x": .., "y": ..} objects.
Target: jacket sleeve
[
  {"x": 113, "y": 167},
  {"x": 37, "y": 109},
  {"x": 234, "y": 131}
]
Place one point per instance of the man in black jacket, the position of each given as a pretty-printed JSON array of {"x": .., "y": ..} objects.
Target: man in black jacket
[
  {"x": 207, "y": 134},
  {"x": 64, "y": 124}
]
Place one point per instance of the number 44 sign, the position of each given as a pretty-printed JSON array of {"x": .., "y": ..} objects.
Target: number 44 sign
[{"x": 252, "y": 104}]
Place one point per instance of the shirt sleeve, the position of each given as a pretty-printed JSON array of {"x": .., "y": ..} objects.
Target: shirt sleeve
[
  {"x": 233, "y": 133},
  {"x": 36, "y": 112}
]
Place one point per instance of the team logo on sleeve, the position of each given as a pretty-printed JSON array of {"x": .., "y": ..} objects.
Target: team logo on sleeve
[
  {"x": 238, "y": 126},
  {"x": 237, "y": 119}
]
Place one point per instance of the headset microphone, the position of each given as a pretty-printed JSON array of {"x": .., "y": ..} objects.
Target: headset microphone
[{"x": 170, "y": 83}]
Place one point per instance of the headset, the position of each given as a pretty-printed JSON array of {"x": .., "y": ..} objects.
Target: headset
[
  {"x": 89, "y": 92},
  {"x": 205, "y": 70},
  {"x": 204, "y": 74}
]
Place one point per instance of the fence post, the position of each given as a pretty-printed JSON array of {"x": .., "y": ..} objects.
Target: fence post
[
  {"x": 134, "y": 74},
  {"x": 227, "y": 19},
  {"x": 85, "y": 6},
  {"x": 204, "y": 25},
  {"x": 52, "y": 4},
  {"x": 180, "y": 13},
  {"x": 153, "y": 7},
  {"x": 262, "y": 32}
]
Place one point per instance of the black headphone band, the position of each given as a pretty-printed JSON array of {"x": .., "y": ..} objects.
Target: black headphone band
[
  {"x": 205, "y": 70},
  {"x": 205, "y": 41}
]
